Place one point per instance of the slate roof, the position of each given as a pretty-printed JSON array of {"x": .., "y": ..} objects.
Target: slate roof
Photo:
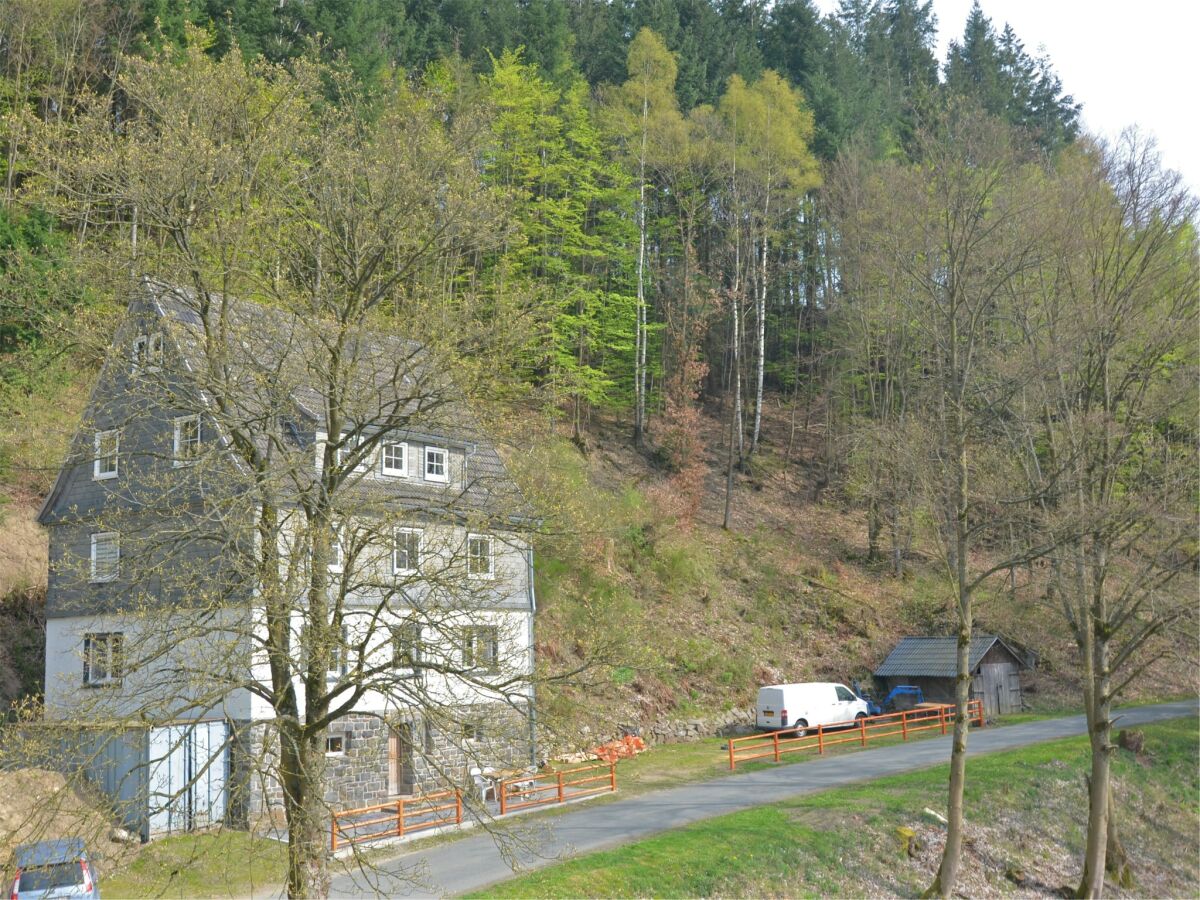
[
  {"x": 277, "y": 356},
  {"x": 935, "y": 657}
]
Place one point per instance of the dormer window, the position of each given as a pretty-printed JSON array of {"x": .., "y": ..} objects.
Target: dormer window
[
  {"x": 187, "y": 440},
  {"x": 147, "y": 352},
  {"x": 394, "y": 457},
  {"x": 105, "y": 461},
  {"x": 437, "y": 464},
  {"x": 350, "y": 446}
]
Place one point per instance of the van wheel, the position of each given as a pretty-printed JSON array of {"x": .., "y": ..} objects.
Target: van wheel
[
  {"x": 861, "y": 715},
  {"x": 801, "y": 728}
]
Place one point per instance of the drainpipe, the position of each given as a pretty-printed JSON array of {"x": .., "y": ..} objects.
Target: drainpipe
[{"x": 532, "y": 609}]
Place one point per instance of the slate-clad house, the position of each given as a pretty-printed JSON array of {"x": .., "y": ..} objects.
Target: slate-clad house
[
  {"x": 152, "y": 609},
  {"x": 931, "y": 663}
]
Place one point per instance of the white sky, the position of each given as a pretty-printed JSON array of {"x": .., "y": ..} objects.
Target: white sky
[{"x": 1127, "y": 63}]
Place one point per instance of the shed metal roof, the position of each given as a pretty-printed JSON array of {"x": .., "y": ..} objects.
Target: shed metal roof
[{"x": 935, "y": 657}]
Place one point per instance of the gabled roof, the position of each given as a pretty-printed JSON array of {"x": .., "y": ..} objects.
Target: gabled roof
[
  {"x": 274, "y": 353},
  {"x": 936, "y": 657}
]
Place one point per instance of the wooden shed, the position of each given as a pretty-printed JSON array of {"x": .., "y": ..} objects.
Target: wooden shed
[{"x": 930, "y": 664}]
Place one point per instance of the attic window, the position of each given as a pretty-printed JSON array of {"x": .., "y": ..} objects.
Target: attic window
[
  {"x": 107, "y": 448},
  {"x": 106, "y": 556},
  {"x": 437, "y": 464},
  {"x": 147, "y": 352},
  {"x": 187, "y": 440},
  {"x": 395, "y": 459}
]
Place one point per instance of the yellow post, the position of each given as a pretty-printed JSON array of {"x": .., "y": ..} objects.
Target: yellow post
[{"x": 612, "y": 776}]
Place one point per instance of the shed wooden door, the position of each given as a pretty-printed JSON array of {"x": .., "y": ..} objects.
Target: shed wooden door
[
  {"x": 400, "y": 760},
  {"x": 996, "y": 686}
]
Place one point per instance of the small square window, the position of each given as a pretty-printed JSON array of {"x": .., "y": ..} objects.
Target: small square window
[
  {"x": 187, "y": 440},
  {"x": 107, "y": 450},
  {"x": 103, "y": 658},
  {"x": 480, "y": 562},
  {"x": 349, "y": 446},
  {"x": 335, "y": 744},
  {"x": 472, "y": 731},
  {"x": 437, "y": 464},
  {"x": 106, "y": 556},
  {"x": 406, "y": 552},
  {"x": 395, "y": 459},
  {"x": 147, "y": 353}
]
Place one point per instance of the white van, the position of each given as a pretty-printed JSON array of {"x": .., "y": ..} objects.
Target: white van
[{"x": 798, "y": 707}]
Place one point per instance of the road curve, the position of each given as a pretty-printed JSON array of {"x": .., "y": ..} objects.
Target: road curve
[{"x": 474, "y": 862}]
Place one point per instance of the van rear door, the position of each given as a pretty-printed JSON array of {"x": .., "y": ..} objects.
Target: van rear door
[{"x": 769, "y": 708}]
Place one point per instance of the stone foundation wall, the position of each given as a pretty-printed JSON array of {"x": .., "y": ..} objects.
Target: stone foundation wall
[{"x": 441, "y": 756}]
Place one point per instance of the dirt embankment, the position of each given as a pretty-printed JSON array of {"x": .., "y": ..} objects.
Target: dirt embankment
[{"x": 38, "y": 805}]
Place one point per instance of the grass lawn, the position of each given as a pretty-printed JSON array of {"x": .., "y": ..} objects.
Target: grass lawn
[
  {"x": 205, "y": 864},
  {"x": 1024, "y": 806}
]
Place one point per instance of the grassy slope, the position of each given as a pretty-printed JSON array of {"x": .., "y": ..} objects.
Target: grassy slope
[{"x": 1025, "y": 809}]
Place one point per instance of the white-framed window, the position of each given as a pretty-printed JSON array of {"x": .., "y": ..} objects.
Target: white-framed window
[
  {"x": 481, "y": 647},
  {"x": 335, "y": 744},
  {"x": 337, "y": 553},
  {"x": 186, "y": 446},
  {"x": 480, "y": 556},
  {"x": 348, "y": 447},
  {"x": 406, "y": 551},
  {"x": 394, "y": 459},
  {"x": 437, "y": 464},
  {"x": 103, "y": 660},
  {"x": 473, "y": 732},
  {"x": 406, "y": 646},
  {"x": 107, "y": 450},
  {"x": 147, "y": 353},
  {"x": 106, "y": 556},
  {"x": 339, "y": 659}
]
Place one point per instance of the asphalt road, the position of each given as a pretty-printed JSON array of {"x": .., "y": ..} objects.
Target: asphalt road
[{"x": 482, "y": 859}]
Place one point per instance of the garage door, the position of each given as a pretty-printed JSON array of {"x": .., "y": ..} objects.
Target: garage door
[{"x": 189, "y": 766}]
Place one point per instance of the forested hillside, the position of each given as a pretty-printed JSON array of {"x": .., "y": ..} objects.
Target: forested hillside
[
  {"x": 796, "y": 337},
  {"x": 800, "y": 337}
]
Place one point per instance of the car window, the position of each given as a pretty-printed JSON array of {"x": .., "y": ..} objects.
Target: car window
[
  {"x": 845, "y": 693},
  {"x": 44, "y": 878}
]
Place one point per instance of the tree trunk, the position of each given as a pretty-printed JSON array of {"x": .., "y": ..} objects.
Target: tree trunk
[
  {"x": 1099, "y": 715},
  {"x": 639, "y": 350},
  {"x": 760, "y": 367},
  {"x": 874, "y": 527},
  {"x": 301, "y": 762},
  {"x": 943, "y": 885}
]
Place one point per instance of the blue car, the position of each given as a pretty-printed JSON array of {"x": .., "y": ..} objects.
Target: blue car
[{"x": 49, "y": 870}]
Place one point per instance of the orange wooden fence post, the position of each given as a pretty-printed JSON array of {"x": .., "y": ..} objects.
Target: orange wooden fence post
[
  {"x": 612, "y": 776},
  {"x": 457, "y": 807},
  {"x": 942, "y": 718},
  {"x": 776, "y": 735},
  {"x": 560, "y": 787},
  {"x": 904, "y": 724},
  {"x": 862, "y": 729},
  {"x": 820, "y": 738},
  {"x": 400, "y": 817},
  {"x": 732, "y": 765},
  {"x": 502, "y": 791},
  {"x": 333, "y": 834}
]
